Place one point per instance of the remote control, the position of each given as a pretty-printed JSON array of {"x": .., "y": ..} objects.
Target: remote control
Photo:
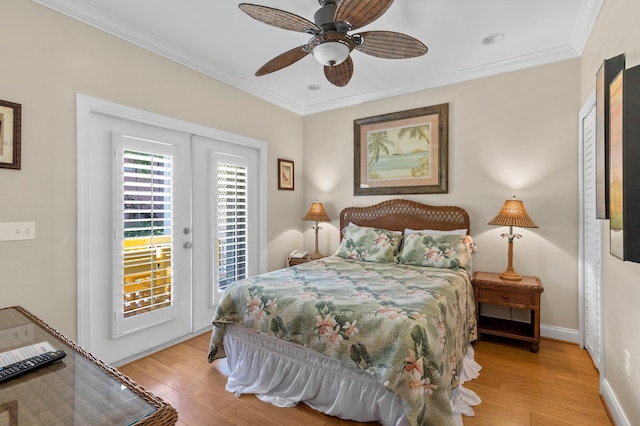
[{"x": 10, "y": 371}]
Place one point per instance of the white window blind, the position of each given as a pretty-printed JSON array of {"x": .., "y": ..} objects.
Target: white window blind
[
  {"x": 232, "y": 223},
  {"x": 147, "y": 189}
]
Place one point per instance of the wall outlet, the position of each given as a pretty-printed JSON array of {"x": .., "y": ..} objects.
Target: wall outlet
[{"x": 627, "y": 363}]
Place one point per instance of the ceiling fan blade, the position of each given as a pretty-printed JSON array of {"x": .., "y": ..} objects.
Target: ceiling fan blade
[
  {"x": 359, "y": 13},
  {"x": 339, "y": 75},
  {"x": 279, "y": 18},
  {"x": 283, "y": 60},
  {"x": 390, "y": 45}
]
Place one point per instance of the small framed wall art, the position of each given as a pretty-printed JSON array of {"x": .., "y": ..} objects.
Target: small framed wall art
[
  {"x": 10, "y": 131},
  {"x": 285, "y": 174}
]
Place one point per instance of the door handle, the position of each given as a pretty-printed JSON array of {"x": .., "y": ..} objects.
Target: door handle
[{"x": 187, "y": 245}]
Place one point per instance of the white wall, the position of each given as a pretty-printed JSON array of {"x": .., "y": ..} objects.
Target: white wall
[
  {"x": 617, "y": 31},
  {"x": 46, "y": 59},
  {"x": 511, "y": 134}
]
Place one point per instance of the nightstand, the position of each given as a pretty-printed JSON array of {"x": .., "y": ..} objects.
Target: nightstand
[
  {"x": 293, "y": 261},
  {"x": 524, "y": 294}
]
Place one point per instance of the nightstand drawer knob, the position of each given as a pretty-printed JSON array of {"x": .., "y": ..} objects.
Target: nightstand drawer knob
[{"x": 505, "y": 296}]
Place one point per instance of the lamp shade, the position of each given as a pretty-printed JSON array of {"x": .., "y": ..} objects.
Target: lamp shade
[
  {"x": 513, "y": 213},
  {"x": 316, "y": 213}
]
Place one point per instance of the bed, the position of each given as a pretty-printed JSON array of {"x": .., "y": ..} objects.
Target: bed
[{"x": 379, "y": 331}]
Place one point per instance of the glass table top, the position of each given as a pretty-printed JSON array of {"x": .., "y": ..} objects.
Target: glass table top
[{"x": 76, "y": 390}]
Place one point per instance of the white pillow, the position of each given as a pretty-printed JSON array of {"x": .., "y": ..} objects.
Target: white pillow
[
  {"x": 395, "y": 232},
  {"x": 408, "y": 231}
]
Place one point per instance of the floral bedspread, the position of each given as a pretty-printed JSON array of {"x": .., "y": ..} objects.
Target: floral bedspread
[{"x": 408, "y": 326}]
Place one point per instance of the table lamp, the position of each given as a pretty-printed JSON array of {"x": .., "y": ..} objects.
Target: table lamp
[
  {"x": 316, "y": 213},
  {"x": 512, "y": 214}
]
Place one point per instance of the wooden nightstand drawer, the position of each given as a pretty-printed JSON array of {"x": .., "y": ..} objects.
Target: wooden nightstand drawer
[{"x": 490, "y": 295}]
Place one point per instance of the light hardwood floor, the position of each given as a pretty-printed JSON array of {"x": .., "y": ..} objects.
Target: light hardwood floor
[{"x": 556, "y": 386}]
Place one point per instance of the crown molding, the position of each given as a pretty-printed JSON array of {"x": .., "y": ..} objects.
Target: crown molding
[
  {"x": 93, "y": 17},
  {"x": 586, "y": 21},
  {"x": 430, "y": 82}
]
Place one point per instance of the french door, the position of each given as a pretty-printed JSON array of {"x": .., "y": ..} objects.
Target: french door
[
  {"x": 226, "y": 213},
  {"x": 166, "y": 218}
]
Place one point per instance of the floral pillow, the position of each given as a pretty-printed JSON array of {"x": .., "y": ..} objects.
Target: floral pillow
[
  {"x": 369, "y": 244},
  {"x": 439, "y": 251}
]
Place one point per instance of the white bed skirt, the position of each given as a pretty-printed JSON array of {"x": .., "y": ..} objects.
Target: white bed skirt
[{"x": 285, "y": 374}]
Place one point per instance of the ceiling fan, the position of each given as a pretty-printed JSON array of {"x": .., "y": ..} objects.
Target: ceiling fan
[{"x": 331, "y": 43}]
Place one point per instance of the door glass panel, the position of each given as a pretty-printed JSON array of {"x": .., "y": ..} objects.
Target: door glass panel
[
  {"x": 147, "y": 191},
  {"x": 232, "y": 223}
]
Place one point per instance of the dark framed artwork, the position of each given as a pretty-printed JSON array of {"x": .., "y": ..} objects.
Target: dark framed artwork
[
  {"x": 403, "y": 152},
  {"x": 609, "y": 69},
  {"x": 616, "y": 201},
  {"x": 624, "y": 173},
  {"x": 10, "y": 132},
  {"x": 285, "y": 174}
]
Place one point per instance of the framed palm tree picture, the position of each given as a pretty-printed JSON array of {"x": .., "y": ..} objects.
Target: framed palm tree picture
[{"x": 403, "y": 152}]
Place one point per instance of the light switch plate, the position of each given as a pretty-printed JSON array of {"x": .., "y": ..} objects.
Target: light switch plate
[{"x": 13, "y": 231}]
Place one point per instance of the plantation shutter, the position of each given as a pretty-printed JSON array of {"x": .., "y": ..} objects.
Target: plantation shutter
[
  {"x": 232, "y": 223},
  {"x": 144, "y": 201},
  {"x": 147, "y": 190},
  {"x": 592, "y": 243}
]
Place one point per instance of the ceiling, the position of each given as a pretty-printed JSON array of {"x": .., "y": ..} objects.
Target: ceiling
[{"x": 216, "y": 38}]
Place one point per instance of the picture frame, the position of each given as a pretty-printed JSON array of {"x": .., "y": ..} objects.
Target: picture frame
[
  {"x": 616, "y": 198},
  {"x": 624, "y": 178},
  {"x": 403, "y": 152},
  {"x": 10, "y": 133},
  {"x": 285, "y": 174},
  {"x": 609, "y": 69}
]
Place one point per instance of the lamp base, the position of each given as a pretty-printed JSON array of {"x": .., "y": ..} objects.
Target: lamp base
[
  {"x": 316, "y": 255},
  {"x": 510, "y": 275}
]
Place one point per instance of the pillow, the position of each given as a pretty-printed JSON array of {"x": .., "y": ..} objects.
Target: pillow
[
  {"x": 408, "y": 231},
  {"x": 437, "y": 250},
  {"x": 369, "y": 244}
]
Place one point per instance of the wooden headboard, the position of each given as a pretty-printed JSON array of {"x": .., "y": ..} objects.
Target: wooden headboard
[{"x": 396, "y": 215}]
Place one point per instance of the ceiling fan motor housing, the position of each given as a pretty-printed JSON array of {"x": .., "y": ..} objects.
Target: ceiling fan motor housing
[{"x": 324, "y": 17}]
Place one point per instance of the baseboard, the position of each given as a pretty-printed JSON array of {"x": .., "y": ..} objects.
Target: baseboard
[
  {"x": 559, "y": 333},
  {"x": 159, "y": 348},
  {"x": 612, "y": 405},
  {"x": 611, "y": 402},
  {"x": 548, "y": 331}
]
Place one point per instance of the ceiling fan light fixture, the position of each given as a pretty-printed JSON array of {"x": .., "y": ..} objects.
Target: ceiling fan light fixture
[{"x": 331, "y": 53}]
